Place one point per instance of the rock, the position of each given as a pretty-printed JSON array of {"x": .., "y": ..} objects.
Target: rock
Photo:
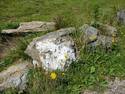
[
  {"x": 90, "y": 32},
  {"x": 14, "y": 76},
  {"x": 104, "y": 41},
  {"x": 104, "y": 36},
  {"x": 116, "y": 87},
  {"x": 121, "y": 16},
  {"x": 108, "y": 30},
  {"x": 34, "y": 26},
  {"x": 53, "y": 51}
]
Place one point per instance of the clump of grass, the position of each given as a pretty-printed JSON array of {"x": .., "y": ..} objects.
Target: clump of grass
[
  {"x": 63, "y": 21},
  {"x": 9, "y": 25},
  {"x": 96, "y": 16}
]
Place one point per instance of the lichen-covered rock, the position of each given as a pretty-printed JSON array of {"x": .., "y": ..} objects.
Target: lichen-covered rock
[
  {"x": 53, "y": 51},
  {"x": 15, "y": 76},
  {"x": 108, "y": 30},
  {"x": 121, "y": 16},
  {"x": 104, "y": 41},
  {"x": 104, "y": 36},
  {"x": 90, "y": 33},
  {"x": 34, "y": 26}
]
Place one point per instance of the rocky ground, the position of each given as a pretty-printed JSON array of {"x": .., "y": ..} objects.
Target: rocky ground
[{"x": 57, "y": 50}]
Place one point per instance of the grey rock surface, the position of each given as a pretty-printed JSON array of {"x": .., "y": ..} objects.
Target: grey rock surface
[
  {"x": 15, "y": 76},
  {"x": 90, "y": 33},
  {"x": 53, "y": 51},
  {"x": 104, "y": 41},
  {"x": 121, "y": 16}
]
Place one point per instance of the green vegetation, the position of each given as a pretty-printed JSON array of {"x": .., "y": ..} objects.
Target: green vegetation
[
  {"x": 9, "y": 25},
  {"x": 93, "y": 67}
]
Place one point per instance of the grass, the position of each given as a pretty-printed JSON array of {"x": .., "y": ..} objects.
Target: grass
[
  {"x": 93, "y": 67},
  {"x": 9, "y": 25}
]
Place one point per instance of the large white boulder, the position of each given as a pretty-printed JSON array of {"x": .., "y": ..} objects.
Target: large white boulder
[{"x": 53, "y": 51}]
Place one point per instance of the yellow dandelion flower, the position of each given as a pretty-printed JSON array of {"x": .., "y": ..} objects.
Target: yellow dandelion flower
[{"x": 53, "y": 75}]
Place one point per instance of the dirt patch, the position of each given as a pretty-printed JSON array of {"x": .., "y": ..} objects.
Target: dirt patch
[{"x": 7, "y": 42}]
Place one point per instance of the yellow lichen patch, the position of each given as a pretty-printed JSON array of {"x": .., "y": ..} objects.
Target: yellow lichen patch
[
  {"x": 93, "y": 37},
  {"x": 53, "y": 75},
  {"x": 66, "y": 56},
  {"x": 113, "y": 40}
]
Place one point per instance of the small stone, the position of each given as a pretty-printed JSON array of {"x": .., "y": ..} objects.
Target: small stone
[{"x": 104, "y": 41}]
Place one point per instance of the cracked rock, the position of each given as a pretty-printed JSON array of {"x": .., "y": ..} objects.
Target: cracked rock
[{"x": 53, "y": 51}]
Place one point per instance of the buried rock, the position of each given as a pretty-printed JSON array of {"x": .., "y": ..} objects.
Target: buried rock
[
  {"x": 104, "y": 41},
  {"x": 121, "y": 16},
  {"x": 34, "y": 26},
  {"x": 53, "y": 51},
  {"x": 104, "y": 36},
  {"x": 15, "y": 76}
]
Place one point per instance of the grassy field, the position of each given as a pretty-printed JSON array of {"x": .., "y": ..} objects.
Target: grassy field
[{"x": 92, "y": 69}]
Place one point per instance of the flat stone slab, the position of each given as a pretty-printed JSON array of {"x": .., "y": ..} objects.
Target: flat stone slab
[{"x": 34, "y": 26}]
